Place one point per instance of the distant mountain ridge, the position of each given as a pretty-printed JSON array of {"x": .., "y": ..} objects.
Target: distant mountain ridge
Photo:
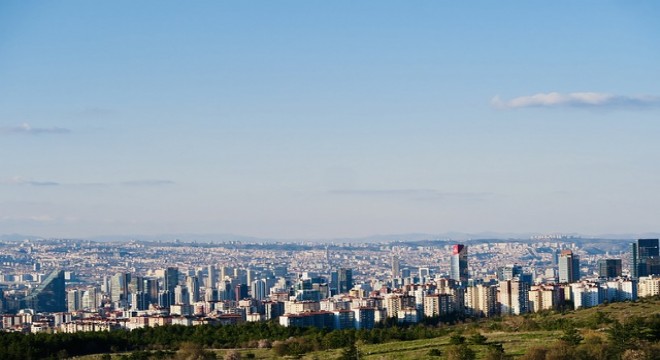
[{"x": 387, "y": 238}]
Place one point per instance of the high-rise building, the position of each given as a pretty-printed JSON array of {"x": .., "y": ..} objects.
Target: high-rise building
[
  {"x": 74, "y": 300},
  {"x": 119, "y": 288},
  {"x": 259, "y": 289},
  {"x": 139, "y": 301},
  {"x": 644, "y": 258},
  {"x": 424, "y": 274},
  {"x": 210, "y": 294},
  {"x": 192, "y": 282},
  {"x": 609, "y": 268},
  {"x": 151, "y": 289},
  {"x": 396, "y": 266},
  {"x": 165, "y": 299},
  {"x": 241, "y": 292},
  {"x": 170, "y": 283},
  {"x": 649, "y": 286},
  {"x": 508, "y": 272},
  {"x": 569, "y": 267},
  {"x": 135, "y": 284},
  {"x": 171, "y": 279},
  {"x": 545, "y": 297},
  {"x": 249, "y": 276},
  {"x": 459, "y": 263},
  {"x": 514, "y": 297},
  {"x": 481, "y": 300},
  {"x": 181, "y": 295},
  {"x": 50, "y": 295},
  {"x": 90, "y": 300},
  {"x": 210, "y": 277},
  {"x": 345, "y": 280}
]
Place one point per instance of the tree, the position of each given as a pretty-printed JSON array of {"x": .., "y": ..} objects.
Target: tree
[
  {"x": 495, "y": 352},
  {"x": 460, "y": 352},
  {"x": 193, "y": 351},
  {"x": 593, "y": 347},
  {"x": 280, "y": 348},
  {"x": 351, "y": 352},
  {"x": 435, "y": 352},
  {"x": 561, "y": 350},
  {"x": 456, "y": 339},
  {"x": 571, "y": 336},
  {"x": 535, "y": 353},
  {"x": 478, "y": 339}
]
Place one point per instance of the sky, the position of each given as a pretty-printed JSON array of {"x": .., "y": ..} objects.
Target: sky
[{"x": 327, "y": 119}]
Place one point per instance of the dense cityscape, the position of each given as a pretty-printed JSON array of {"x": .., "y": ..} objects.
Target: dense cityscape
[
  {"x": 337, "y": 180},
  {"x": 59, "y": 285}
]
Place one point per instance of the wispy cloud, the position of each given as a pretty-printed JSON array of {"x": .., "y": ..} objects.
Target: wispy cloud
[
  {"x": 17, "y": 180},
  {"x": 31, "y": 218},
  {"x": 577, "y": 99},
  {"x": 415, "y": 194},
  {"x": 147, "y": 183},
  {"x": 27, "y": 129}
]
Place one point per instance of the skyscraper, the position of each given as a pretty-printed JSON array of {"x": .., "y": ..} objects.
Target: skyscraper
[
  {"x": 50, "y": 295},
  {"x": 210, "y": 278},
  {"x": 459, "y": 263},
  {"x": 644, "y": 258},
  {"x": 135, "y": 284},
  {"x": 119, "y": 288},
  {"x": 514, "y": 297},
  {"x": 170, "y": 283},
  {"x": 569, "y": 267},
  {"x": 345, "y": 279},
  {"x": 259, "y": 289},
  {"x": 192, "y": 282},
  {"x": 181, "y": 295},
  {"x": 609, "y": 268},
  {"x": 171, "y": 279},
  {"x": 508, "y": 272},
  {"x": 396, "y": 266}
]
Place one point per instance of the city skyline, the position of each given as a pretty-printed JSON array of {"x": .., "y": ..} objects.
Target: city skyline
[{"x": 299, "y": 120}]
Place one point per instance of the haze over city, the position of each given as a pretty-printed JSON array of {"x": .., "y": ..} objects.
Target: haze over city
[{"x": 328, "y": 119}]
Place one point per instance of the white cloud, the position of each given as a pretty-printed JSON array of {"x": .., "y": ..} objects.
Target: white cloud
[
  {"x": 27, "y": 129},
  {"x": 576, "y": 99}
]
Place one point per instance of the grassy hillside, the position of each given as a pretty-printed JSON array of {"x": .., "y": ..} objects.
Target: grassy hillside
[{"x": 516, "y": 335}]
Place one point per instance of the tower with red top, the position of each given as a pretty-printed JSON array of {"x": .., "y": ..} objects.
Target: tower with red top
[{"x": 459, "y": 263}]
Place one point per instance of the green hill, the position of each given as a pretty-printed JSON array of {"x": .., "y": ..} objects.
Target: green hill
[
  {"x": 627, "y": 330},
  {"x": 518, "y": 334}
]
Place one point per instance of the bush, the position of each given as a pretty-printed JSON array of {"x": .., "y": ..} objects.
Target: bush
[
  {"x": 232, "y": 355},
  {"x": 561, "y": 351},
  {"x": 535, "y": 353},
  {"x": 478, "y": 339},
  {"x": 460, "y": 352},
  {"x": 571, "y": 336},
  {"x": 351, "y": 352},
  {"x": 456, "y": 339}
]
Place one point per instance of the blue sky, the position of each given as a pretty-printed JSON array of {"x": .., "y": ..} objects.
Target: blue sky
[{"x": 308, "y": 119}]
